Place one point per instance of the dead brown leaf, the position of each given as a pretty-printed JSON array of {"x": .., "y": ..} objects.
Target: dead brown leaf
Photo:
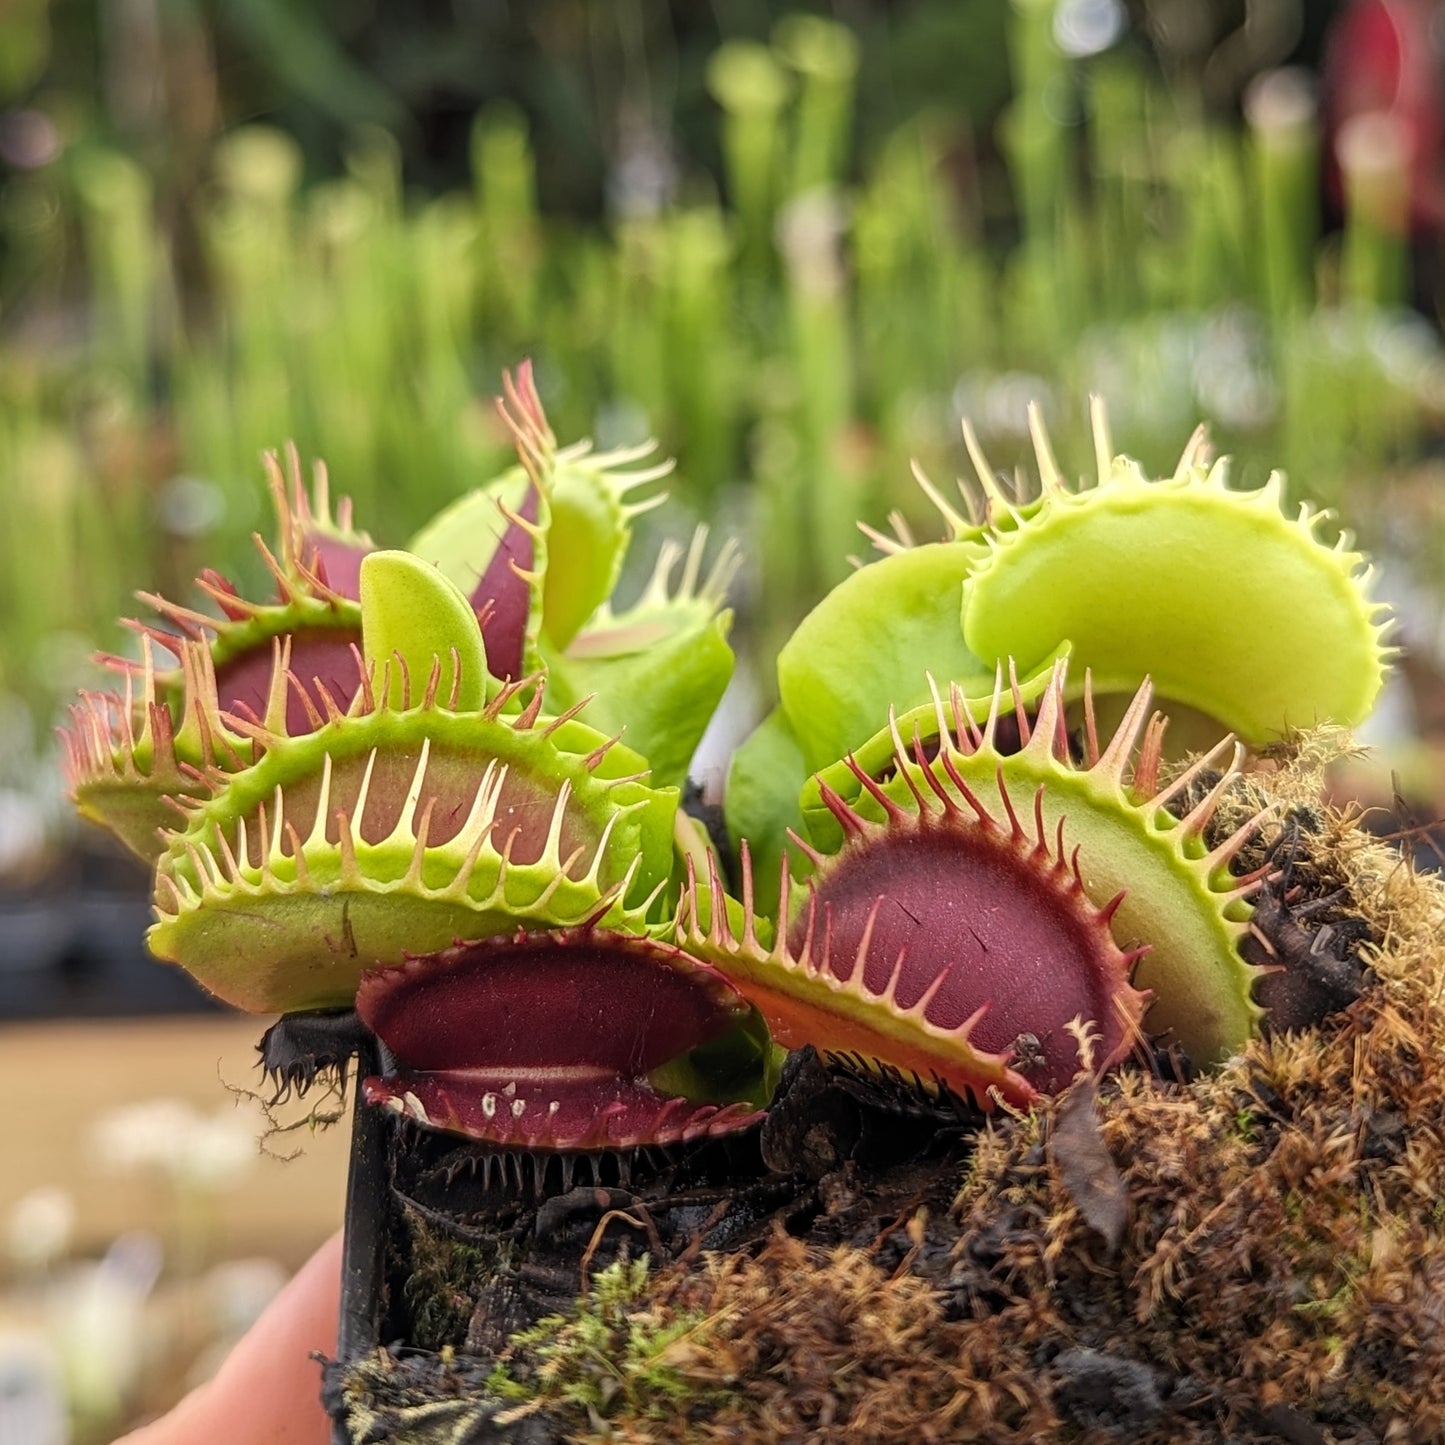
[{"x": 1085, "y": 1167}]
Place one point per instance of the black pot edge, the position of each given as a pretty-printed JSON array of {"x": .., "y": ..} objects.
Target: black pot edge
[{"x": 363, "y": 1258}]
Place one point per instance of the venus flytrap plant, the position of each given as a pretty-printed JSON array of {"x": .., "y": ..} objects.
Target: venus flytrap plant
[
  {"x": 419, "y": 785},
  {"x": 1160, "y": 881},
  {"x": 941, "y": 923},
  {"x": 1123, "y": 576},
  {"x": 934, "y": 941},
  {"x": 397, "y": 830},
  {"x": 967, "y": 880},
  {"x": 914, "y": 919},
  {"x": 128, "y": 751},
  {"x": 459, "y": 860},
  {"x": 660, "y": 666},
  {"x": 602, "y": 1009},
  {"x": 416, "y": 833}
]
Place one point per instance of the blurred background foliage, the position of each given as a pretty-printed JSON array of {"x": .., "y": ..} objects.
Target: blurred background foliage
[{"x": 794, "y": 244}]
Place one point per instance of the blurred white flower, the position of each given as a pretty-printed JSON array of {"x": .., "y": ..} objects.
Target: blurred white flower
[
  {"x": 220, "y": 1151},
  {"x": 143, "y": 1136},
  {"x": 39, "y": 1229},
  {"x": 173, "y": 1138}
]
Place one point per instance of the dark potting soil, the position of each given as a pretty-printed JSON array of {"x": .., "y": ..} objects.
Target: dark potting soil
[
  {"x": 481, "y": 1247},
  {"x": 842, "y": 1156}
]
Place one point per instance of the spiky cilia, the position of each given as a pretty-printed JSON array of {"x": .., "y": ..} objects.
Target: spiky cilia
[
  {"x": 314, "y": 568},
  {"x": 660, "y": 667},
  {"x": 544, "y": 544},
  {"x": 391, "y": 830},
  {"x": 129, "y": 750},
  {"x": 1231, "y": 606},
  {"x": 130, "y": 763},
  {"x": 1179, "y": 896},
  {"x": 545, "y": 1040},
  {"x": 933, "y": 938}
]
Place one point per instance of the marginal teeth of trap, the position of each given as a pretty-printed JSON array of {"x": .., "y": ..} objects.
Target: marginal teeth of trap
[
  {"x": 643, "y": 1121},
  {"x": 845, "y": 1014},
  {"x": 1177, "y": 894},
  {"x": 1196, "y": 452},
  {"x": 958, "y": 523},
  {"x": 353, "y": 857},
  {"x": 128, "y": 737},
  {"x": 1049, "y": 473},
  {"x": 1319, "y": 660}
]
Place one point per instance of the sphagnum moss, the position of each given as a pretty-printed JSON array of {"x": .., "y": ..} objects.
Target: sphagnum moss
[{"x": 1280, "y": 1273}]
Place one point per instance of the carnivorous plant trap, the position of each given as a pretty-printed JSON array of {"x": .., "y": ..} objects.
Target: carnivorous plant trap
[{"x": 430, "y": 797}]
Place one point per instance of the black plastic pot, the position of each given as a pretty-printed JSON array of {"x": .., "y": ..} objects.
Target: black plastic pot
[{"x": 368, "y": 1211}]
